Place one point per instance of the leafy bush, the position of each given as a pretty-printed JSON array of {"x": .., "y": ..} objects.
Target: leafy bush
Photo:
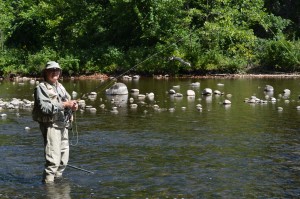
[
  {"x": 112, "y": 59},
  {"x": 90, "y": 67},
  {"x": 69, "y": 65},
  {"x": 280, "y": 55},
  {"x": 10, "y": 62},
  {"x": 36, "y": 62},
  {"x": 216, "y": 62}
]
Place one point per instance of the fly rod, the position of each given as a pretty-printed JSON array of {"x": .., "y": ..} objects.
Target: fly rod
[{"x": 74, "y": 167}]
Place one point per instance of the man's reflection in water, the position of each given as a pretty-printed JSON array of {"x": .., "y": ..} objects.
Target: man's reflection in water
[{"x": 58, "y": 190}]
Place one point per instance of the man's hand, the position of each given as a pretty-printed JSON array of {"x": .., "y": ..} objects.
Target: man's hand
[{"x": 72, "y": 104}]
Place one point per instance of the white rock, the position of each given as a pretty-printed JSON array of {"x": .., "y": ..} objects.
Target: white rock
[
  {"x": 207, "y": 91},
  {"x": 171, "y": 109},
  {"x": 199, "y": 107},
  {"x": 227, "y": 102},
  {"x": 178, "y": 95},
  {"x": 141, "y": 97},
  {"x": 102, "y": 106},
  {"x": 131, "y": 100},
  {"x": 136, "y": 77},
  {"x": 195, "y": 84},
  {"x": 93, "y": 110},
  {"x": 150, "y": 96},
  {"x": 134, "y": 90},
  {"x": 117, "y": 89},
  {"x": 133, "y": 106},
  {"x": 190, "y": 93},
  {"x": 172, "y": 91},
  {"x": 74, "y": 94},
  {"x": 217, "y": 92}
]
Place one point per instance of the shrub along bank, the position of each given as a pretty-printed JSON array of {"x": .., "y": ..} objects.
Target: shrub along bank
[{"x": 150, "y": 37}]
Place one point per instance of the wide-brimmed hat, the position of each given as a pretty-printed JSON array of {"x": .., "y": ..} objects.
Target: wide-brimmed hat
[{"x": 52, "y": 64}]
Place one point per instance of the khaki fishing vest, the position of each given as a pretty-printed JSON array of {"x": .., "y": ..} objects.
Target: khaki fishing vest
[{"x": 56, "y": 95}]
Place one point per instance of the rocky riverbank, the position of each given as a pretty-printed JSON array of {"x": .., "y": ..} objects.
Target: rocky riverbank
[
  {"x": 161, "y": 76},
  {"x": 207, "y": 76}
]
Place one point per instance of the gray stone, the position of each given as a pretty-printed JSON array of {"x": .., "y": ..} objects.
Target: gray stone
[{"x": 117, "y": 89}]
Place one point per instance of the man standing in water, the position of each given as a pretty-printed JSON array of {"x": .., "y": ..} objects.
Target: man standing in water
[{"x": 53, "y": 109}]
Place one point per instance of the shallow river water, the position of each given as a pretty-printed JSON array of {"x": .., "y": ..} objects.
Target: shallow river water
[{"x": 240, "y": 150}]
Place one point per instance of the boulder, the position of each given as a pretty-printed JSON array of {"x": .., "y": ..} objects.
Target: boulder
[
  {"x": 217, "y": 92},
  {"x": 172, "y": 91},
  {"x": 190, "y": 93},
  {"x": 287, "y": 91},
  {"x": 269, "y": 88},
  {"x": 226, "y": 102},
  {"x": 207, "y": 91},
  {"x": 117, "y": 89}
]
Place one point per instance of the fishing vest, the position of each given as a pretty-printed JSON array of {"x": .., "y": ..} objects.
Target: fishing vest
[{"x": 56, "y": 95}]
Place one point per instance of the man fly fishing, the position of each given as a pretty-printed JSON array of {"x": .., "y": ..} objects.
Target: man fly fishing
[{"x": 53, "y": 109}]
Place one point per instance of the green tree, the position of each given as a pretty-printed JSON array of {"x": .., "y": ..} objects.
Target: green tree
[
  {"x": 287, "y": 9},
  {"x": 6, "y": 18},
  {"x": 145, "y": 35}
]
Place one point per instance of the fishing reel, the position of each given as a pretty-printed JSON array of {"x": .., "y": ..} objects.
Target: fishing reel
[{"x": 67, "y": 111}]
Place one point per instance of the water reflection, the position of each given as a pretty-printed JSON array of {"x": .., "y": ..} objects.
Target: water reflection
[
  {"x": 269, "y": 93},
  {"x": 191, "y": 98},
  {"x": 118, "y": 100},
  {"x": 208, "y": 99},
  {"x": 58, "y": 190}
]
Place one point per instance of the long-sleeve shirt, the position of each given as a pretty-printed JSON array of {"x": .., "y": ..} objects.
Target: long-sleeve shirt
[{"x": 48, "y": 104}]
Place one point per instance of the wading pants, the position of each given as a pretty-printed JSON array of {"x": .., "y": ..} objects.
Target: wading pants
[{"x": 56, "y": 143}]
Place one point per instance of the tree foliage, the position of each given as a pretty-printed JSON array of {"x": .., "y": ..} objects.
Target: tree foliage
[{"x": 140, "y": 36}]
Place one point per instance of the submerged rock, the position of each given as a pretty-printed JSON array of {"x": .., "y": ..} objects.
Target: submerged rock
[{"x": 195, "y": 84}]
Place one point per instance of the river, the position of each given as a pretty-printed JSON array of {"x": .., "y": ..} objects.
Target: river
[{"x": 242, "y": 150}]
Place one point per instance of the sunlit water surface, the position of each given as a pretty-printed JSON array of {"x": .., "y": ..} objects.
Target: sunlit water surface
[{"x": 238, "y": 151}]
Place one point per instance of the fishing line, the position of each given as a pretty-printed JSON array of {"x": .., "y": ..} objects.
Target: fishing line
[
  {"x": 112, "y": 80},
  {"x": 110, "y": 83},
  {"x": 292, "y": 54},
  {"x": 76, "y": 131},
  {"x": 269, "y": 29},
  {"x": 74, "y": 167}
]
